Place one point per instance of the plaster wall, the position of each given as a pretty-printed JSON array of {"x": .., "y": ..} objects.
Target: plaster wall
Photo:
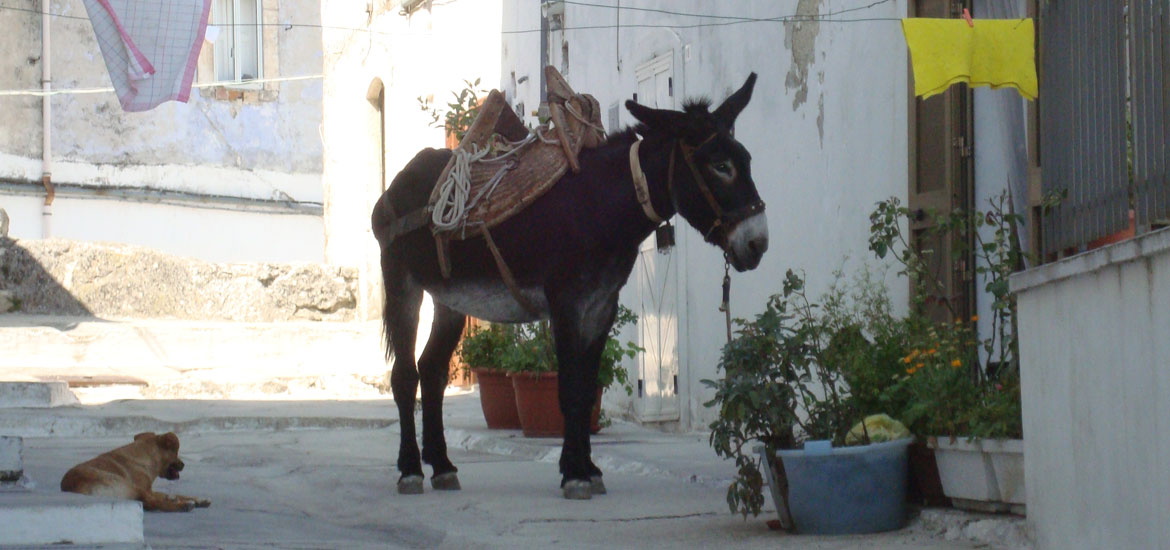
[
  {"x": 264, "y": 146},
  {"x": 827, "y": 127},
  {"x": 1093, "y": 348},
  {"x": 428, "y": 53}
]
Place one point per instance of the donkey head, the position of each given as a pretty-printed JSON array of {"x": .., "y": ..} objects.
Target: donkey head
[{"x": 710, "y": 176}]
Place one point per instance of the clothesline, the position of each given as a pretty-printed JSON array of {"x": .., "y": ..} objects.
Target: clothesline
[{"x": 77, "y": 91}]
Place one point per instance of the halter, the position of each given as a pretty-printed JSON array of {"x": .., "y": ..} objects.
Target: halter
[{"x": 725, "y": 222}]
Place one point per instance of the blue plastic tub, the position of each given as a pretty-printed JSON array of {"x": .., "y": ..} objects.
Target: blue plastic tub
[{"x": 846, "y": 490}]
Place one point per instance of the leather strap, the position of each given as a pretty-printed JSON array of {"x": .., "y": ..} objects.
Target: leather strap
[
  {"x": 506, "y": 275},
  {"x": 641, "y": 188}
]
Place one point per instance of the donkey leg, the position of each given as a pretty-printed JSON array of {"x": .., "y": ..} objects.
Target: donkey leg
[
  {"x": 433, "y": 369},
  {"x": 403, "y": 300},
  {"x": 580, "y": 335}
]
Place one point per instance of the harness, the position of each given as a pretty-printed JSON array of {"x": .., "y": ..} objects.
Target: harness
[{"x": 724, "y": 222}]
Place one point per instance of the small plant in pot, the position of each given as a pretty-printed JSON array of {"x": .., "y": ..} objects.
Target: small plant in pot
[
  {"x": 532, "y": 365},
  {"x": 483, "y": 352},
  {"x": 964, "y": 383},
  {"x": 784, "y": 385}
]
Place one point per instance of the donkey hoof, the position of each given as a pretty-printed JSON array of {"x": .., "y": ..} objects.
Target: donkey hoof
[
  {"x": 410, "y": 485},
  {"x": 596, "y": 485},
  {"x": 578, "y": 490},
  {"x": 446, "y": 482}
]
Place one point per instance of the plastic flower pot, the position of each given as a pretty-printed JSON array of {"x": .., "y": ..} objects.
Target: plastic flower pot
[
  {"x": 843, "y": 490},
  {"x": 497, "y": 399},
  {"x": 971, "y": 472},
  {"x": 539, "y": 406}
]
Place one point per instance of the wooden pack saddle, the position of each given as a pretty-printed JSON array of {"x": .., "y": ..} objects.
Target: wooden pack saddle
[{"x": 500, "y": 168}]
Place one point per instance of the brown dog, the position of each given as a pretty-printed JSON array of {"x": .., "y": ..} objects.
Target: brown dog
[{"x": 128, "y": 472}]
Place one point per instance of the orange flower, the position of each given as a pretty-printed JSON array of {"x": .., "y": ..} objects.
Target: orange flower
[
  {"x": 974, "y": 317},
  {"x": 918, "y": 366},
  {"x": 932, "y": 351},
  {"x": 956, "y": 363}
]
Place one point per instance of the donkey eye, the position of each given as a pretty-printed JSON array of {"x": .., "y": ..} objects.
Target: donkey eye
[{"x": 722, "y": 167}]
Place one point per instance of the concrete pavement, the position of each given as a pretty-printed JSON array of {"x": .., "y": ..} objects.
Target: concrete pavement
[{"x": 274, "y": 484}]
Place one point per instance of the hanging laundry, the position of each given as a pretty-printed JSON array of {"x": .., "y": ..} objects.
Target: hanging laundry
[
  {"x": 992, "y": 52},
  {"x": 150, "y": 47}
]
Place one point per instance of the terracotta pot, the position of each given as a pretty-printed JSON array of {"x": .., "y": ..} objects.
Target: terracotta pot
[
  {"x": 925, "y": 486},
  {"x": 498, "y": 399},
  {"x": 539, "y": 406}
]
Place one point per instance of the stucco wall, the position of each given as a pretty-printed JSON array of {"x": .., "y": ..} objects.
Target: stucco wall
[
  {"x": 1094, "y": 349},
  {"x": 827, "y": 127},
  {"x": 265, "y": 149},
  {"x": 428, "y": 53}
]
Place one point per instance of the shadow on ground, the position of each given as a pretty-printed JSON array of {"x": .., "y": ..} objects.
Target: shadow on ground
[{"x": 32, "y": 289}]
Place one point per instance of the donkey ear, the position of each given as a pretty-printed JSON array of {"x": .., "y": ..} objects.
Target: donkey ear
[
  {"x": 729, "y": 110},
  {"x": 663, "y": 120}
]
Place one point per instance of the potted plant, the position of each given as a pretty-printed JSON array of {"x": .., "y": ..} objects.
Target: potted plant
[
  {"x": 531, "y": 363},
  {"x": 482, "y": 351},
  {"x": 965, "y": 387},
  {"x": 784, "y": 385}
]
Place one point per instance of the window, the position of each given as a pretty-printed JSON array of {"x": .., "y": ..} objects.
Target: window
[{"x": 238, "y": 54}]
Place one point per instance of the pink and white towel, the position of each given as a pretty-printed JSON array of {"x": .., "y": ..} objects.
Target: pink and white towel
[{"x": 151, "y": 47}]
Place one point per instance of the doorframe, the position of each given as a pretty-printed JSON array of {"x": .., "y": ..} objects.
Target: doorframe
[
  {"x": 666, "y": 48},
  {"x": 966, "y": 169}
]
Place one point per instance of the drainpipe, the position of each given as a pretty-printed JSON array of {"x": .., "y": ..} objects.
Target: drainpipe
[{"x": 46, "y": 125}]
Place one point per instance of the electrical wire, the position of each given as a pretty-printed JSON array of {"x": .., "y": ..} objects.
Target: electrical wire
[
  {"x": 71, "y": 91},
  {"x": 725, "y": 20}
]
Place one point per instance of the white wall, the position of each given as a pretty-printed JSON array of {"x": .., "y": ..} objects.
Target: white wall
[
  {"x": 1094, "y": 347},
  {"x": 210, "y": 234},
  {"x": 827, "y": 127},
  {"x": 265, "y": 146},
  {"x": 428, "y": 53}
]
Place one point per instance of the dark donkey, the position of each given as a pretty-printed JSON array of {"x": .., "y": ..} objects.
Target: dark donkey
[{"x": 570, "y": 253}]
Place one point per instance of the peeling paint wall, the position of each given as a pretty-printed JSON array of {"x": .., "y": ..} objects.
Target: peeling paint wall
[
  {"x": 263, "y": 147},
  {"x": 800, "y": 39},
  {"x": 428, "y": 53},
  {"x": 827, "y": 127}
]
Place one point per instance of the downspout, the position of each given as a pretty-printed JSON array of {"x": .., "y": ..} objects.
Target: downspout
[{"x": 46, "y": 125}]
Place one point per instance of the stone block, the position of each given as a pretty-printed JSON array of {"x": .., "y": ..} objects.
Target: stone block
[
  {"x": 37, "y": 518},
  {"x": 35, "y": 394},
  {"x": 11, "y": 459}
]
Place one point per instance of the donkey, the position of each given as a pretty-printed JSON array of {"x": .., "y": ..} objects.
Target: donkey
[{"x": 570, "y": 252}]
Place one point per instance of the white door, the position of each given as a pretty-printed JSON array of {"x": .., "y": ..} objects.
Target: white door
[{"x": 657, "y": 283}]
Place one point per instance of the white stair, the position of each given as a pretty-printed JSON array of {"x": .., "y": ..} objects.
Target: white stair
[
  {"x": 43, "y": 519},
  {"x": 35, "y": 394}
]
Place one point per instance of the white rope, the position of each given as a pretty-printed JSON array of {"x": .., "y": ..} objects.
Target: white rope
[{"x": 451, "y": 206}]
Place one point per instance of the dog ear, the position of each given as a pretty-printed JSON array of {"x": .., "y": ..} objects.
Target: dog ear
[
  {"x": 169, "y": 441},
  {"x": 143, "y": 435}
]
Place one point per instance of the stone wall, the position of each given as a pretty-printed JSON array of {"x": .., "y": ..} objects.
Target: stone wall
[{"x": 55, "y": 276}]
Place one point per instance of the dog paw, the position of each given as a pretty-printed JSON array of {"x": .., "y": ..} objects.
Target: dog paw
[
  {"x": 187, "y": 506},
  {"x": 202, "y": 503}
]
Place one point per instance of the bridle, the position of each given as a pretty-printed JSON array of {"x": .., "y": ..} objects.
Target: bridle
[{"x": 724, "y": 222}]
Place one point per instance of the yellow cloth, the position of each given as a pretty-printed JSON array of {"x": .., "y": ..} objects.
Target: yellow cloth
[{"x": 995, "y": 52}]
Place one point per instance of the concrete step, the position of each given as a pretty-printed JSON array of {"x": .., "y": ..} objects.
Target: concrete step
[
  {"x": 126, "y": 418},
  {"x": 11, "y": 459},
  {"x": 166, "y": 359},
  {"x": 34, "y": 518},
  {"x": 35, "y": 394}
]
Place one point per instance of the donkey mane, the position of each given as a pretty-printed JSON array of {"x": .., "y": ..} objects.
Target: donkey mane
[{"x": 697, "y": 105}]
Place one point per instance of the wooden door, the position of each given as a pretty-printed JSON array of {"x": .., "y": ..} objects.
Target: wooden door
[
  {"x": 656, "y": 275},
  {"x": 942, "y": 180}
]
